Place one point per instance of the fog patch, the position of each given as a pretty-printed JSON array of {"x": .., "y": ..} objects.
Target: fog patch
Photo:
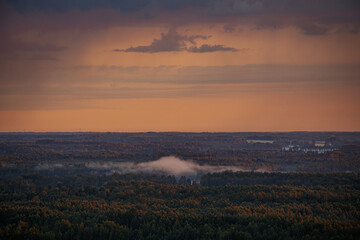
[
  {"x": 46, "y": 166},
  {"x": 169, "y": 165}
]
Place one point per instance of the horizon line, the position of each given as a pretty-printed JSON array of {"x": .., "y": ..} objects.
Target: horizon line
[{"x": 296, "y": 131}]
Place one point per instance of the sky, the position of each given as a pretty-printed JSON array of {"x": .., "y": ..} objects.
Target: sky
[{"x": 179, "y": 65}]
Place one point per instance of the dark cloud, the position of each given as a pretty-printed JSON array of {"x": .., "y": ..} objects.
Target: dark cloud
[
  {"x": 174, "y": 42},
  {"x": 36, "y": 47},
  {"x": 274, "y": 14},
  {"x": 211, "y": 48},
  {"x": 214, "y": 7},
  {"x": 314, "y": 29},
  {"x": 168, "y": 42},
  {"x": 28, "y": 90},
  {"x": 8, "y": 44},
  {"x": 64, "y": 6},
  {"x": 40, "y": 57},
  {"x": 236, "y": 6},
  {"x": 229, "y": 28}
]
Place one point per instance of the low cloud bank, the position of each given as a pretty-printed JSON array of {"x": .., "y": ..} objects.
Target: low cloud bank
[
  {"x": 47, "y": 166},
  {"x": 166, "y": 165}
]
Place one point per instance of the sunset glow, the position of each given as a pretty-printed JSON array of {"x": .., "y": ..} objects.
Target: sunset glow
[{"x": 180, "y": 66}]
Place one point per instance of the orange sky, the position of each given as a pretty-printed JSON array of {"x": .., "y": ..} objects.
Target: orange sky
[{"x": 222, "y": 74}]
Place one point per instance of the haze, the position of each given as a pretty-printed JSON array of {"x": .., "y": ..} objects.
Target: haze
[
  {"x": 231, "y": 65},
  {"x": 169, "y": 165}
]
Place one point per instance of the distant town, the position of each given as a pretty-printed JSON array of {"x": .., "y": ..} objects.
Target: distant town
[{"x": 311, "y": 146}]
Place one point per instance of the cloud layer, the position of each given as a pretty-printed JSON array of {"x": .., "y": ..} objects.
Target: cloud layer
[
  {"x": 86, "y": 83},
  {"x": 166, "y": 165},
  {"x": 60, "y": 59},
  {"x": 312, "y": 17},
  {"x": 211, "y": 48},
  {"x": 173, "y": 42}
]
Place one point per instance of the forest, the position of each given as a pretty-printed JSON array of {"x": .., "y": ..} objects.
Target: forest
[
  {"x": 159, "y": 207},
  {"x": 288, "y": 151},
  {"x": 73, "y": 186}
]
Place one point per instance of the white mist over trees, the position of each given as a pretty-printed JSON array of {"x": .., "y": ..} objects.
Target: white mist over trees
[{"x": 169, "y": 165}]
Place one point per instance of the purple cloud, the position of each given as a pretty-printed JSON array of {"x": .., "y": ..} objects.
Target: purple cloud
[
  {"x": 174, "y": 42},
  {"x": 211, "y": 48}
]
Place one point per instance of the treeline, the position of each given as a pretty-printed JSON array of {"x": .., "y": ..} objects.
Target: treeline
[
  {"x": 153, "y": 207},
  {"x": 203, "y": 148},
  {"x": 297, "y": 179},
  {"x": 336, "y": 161}
]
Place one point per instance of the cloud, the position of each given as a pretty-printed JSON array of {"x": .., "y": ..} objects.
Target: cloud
[
  {"x": 169, "y": 165},
  {"x": 211, "y": 48},
  {"x": 168, "y": 42},
  {"x": 215, "y": 7},
  {"x": 10, "y": 45},
  {"x": 46, "y": 166},
  {"x": 17, "y": 49},
  {"x": 212, "y": 7},
  {"x": 229, "y": 28},
  {"x": 335, "y": 15},
  {"x": 314, "y": 29},
  {"x": 32, "y": 46},
  {"x": 174, "y": 42},
  {"x": 40, "y": 57},
  {"x": 79, "y": 87}
]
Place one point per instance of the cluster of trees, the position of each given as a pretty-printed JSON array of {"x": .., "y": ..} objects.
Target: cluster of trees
[
  {"x": 274, "y": 160},
  {"x": 276, "y": 178},
  {"x": 154, "y": 207}
]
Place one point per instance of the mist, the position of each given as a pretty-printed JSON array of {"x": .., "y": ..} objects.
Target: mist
[
  {"x": 169, "y": 165},
  {"x": 47, "y": 166}
]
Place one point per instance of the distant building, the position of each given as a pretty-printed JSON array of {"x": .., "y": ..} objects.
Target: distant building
[
  {"x": 319, "y": 143},
  {"x": 195, "y": 182},
  {"x": 260, "y": 141},
  {"x": 291, "y": 147},
  {"x": 318, "y": 147},
  {"x": 318, "y": 150}
]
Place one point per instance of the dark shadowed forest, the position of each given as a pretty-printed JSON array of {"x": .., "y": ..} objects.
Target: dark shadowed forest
[{"x": 219, "y": 186}]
